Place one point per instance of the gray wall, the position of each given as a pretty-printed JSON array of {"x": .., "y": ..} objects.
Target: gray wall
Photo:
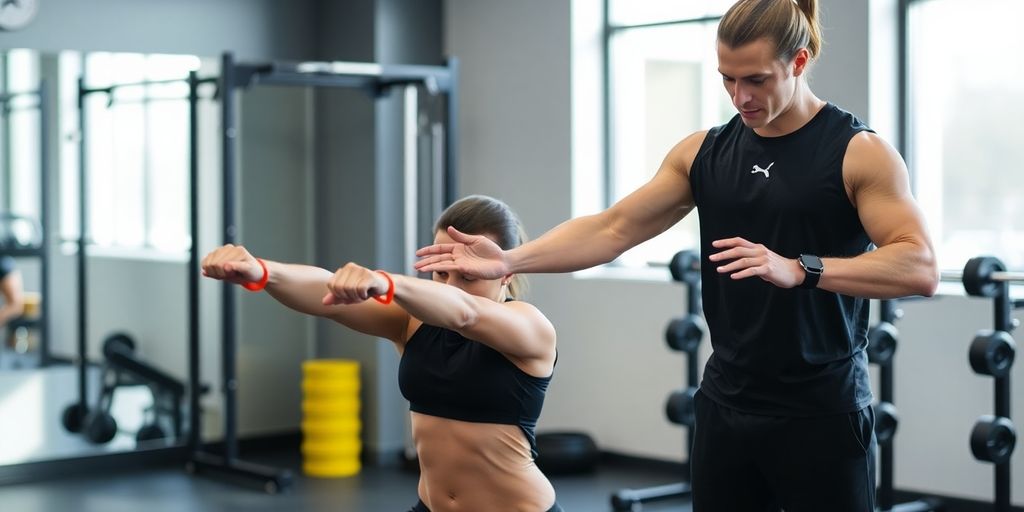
[
  {"x": 250, "y": 28},
  {"x": 614, "y": 370}
]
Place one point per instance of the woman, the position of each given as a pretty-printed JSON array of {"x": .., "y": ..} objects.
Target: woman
[{"x": 475, "y": 362}]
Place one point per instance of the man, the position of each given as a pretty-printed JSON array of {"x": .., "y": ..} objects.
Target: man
[{"x": 792, "y": 193}]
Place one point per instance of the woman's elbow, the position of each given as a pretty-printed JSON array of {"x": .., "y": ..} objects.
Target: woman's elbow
[{"x": 465, "y": 318}]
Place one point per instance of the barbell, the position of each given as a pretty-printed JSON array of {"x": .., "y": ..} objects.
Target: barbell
[{"x": 982, "y": 276}]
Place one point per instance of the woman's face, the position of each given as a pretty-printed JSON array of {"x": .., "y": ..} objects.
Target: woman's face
[{"x": 488, "y": 288}]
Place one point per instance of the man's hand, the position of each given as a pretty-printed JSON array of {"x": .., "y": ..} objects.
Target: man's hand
[
  {"x": 471, "y": 255},
  {"x": 745, "y": 259}
]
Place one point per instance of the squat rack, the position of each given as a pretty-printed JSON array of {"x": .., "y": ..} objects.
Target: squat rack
[
  {"x": 376, "y": 79},
  {"x": 84, "y": 236}
]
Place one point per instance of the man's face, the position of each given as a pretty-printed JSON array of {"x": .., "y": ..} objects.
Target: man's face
[{"x": 760, "y": 85}]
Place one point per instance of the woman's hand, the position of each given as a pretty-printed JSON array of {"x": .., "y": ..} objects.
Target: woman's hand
[
  {"x": 352, "y": 284},
  {"x": 232, "y": 263}
]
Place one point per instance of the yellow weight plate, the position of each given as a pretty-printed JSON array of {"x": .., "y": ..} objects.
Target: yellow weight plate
[{"x": 331, "y": 469}]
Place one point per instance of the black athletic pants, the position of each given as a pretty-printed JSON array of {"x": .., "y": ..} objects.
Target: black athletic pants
[
  {"x": 420, "y": 507},
  {"x": 750, "y": 463}
]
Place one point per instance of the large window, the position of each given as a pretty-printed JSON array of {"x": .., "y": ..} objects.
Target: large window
[
  {"x": 137, "y": 151},
  {"x": 663, "y": 84},
  {"x": 965, "y": 102}
]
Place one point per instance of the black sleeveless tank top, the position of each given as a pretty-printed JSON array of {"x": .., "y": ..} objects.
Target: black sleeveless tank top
[
  {"x": 794, "y": 352},
  {"x": 444, "y": 374}
]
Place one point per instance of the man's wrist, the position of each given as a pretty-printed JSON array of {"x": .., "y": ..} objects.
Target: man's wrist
[{"x": 813, "y": 268}]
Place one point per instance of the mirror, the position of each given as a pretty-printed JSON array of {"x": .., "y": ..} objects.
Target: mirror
[{"x": 134, "y": 143}]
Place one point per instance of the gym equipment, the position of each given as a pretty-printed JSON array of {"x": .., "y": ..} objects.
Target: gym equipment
[
  {"x": 377, "y": 79},
  {"x": 679, "y": 407},
  {"x": 993, "y": 439},
  {"x": 566, "y": 453},
  {"x": 682, "y": 334},
  {"x": 122, "y": 368},
  {"x": 991, "y": 353},
  {"x": 882, "y": 342},
  {"x": 685, "y": 267},
  {"x": 330, "y": 418}
]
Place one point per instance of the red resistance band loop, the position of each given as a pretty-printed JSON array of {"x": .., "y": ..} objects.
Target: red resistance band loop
[
  {"x": 390, "y": 295},
  {"x": 262, "y": 283}
]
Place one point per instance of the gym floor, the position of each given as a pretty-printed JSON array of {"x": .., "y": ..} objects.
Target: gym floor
[{"x": 375, "y": 489}]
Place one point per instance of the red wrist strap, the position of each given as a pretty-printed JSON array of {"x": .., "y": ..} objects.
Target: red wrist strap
[
  {"x": 262, "y": 283},
  {"x": 390, "y": 295}
]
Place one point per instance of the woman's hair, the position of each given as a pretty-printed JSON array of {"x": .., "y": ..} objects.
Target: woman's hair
[
  {"x": 484, "y": 215},
  {"x": 790, "y": 24}
]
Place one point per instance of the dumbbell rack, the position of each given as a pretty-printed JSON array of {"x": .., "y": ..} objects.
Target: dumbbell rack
[
  {"x": 993, "y": 437},
  {"x": 882, "y": 343},
  {"x": 683, "y": 334}
]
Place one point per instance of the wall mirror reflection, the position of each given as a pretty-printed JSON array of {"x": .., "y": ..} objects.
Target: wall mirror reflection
[{"x": 94, "y": 353}]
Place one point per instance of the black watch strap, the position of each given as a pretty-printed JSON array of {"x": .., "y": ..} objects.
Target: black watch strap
[{"x": 813, "y": 267}]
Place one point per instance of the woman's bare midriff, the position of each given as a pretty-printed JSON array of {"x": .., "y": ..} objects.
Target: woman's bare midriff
[{"x": 477, "y": 467}]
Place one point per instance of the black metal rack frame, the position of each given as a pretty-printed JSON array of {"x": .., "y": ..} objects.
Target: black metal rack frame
[{"x": 375, "y": 79}]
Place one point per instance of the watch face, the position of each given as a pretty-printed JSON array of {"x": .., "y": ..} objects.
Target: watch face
[
  {"x": 15, "y": 14},
  {"x": 811, "y": 263}
]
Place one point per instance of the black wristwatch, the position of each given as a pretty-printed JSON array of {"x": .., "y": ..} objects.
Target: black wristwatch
[{"x": 813, "y": 268}]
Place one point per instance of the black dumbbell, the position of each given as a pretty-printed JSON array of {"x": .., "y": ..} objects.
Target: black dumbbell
[
  {"x": 685, "y": 333},
  {"x": 72, "y": 418},
  {"x": 882, "y": 343},
  {"x": 100, "y": 427},
  {"x": 992, "y": 353},
  {"x": 886, "y": 422},
  {"x": 993, "y": 439},
  {"x": 685, "y": 267},
  {"x": 118, "y": 342},
  {"x": 679, "y": 407},
  {"x": 977, "y": 277}
]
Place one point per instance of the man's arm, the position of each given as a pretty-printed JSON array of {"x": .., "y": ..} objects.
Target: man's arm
[
  {"x": 904, "y": 262},
  {"x": 585, "y": 241}
]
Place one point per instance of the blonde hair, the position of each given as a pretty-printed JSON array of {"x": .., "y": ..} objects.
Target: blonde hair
[
  {"x": 790, "y": 24},
  {"x": 485, "y": 215}
]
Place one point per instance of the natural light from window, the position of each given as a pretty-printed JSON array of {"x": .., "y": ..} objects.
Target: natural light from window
[
  {"x": 966, "y": 143},
  {"x": 664, "y": 85},
  {"x": 137, "y": 151}
]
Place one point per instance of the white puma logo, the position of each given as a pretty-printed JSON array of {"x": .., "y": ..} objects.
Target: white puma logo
[{"x": 758, "y": 169}]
